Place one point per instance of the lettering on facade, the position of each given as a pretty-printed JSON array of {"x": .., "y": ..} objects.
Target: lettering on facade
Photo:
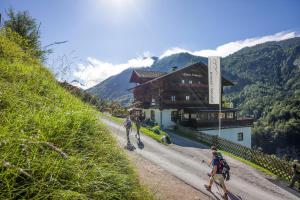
[{"x": 192, "y": 75}]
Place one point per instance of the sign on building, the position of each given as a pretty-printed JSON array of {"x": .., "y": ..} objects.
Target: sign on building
[{"x": 214, "y": 79}]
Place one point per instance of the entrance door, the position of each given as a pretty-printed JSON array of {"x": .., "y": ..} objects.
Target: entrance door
[
  {"x": 174, "y": 116},
  {"x": 152, "y": 115}
]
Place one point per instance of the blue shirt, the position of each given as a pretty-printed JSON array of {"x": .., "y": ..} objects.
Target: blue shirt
[{"x": 216, "y": 162}]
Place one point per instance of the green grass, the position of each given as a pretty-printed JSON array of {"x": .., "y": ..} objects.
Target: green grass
[
  {"x": 35, "y": 109},
  {"x": 251, "y": 164},
  {"x": 143, "y": 130}
]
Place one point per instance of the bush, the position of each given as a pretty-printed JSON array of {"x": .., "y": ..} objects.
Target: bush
[
  {"x": 149, "y": 122},
  {"x": 155, "y": 130}
]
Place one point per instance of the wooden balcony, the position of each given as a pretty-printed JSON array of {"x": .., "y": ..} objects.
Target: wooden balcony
[
  {"x": 225, "y": 123},
  {"x": 183, "y": 103}
]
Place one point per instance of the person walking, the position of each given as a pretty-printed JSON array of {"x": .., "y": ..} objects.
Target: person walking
[
  {"x": 216, "y": 174},
  {"x": 226, "y": 168},
  {"x": 296, "y": 174},
  {"x": 127, "y": 125},
  {"x": 214, "y": 148},
  {"x": 138, "y": 126}
]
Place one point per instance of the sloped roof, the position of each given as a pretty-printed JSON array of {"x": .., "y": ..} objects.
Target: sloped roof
[
  {"x": 142, "y": 76},
  {"x": 148, "y": 74},
  {"x": 225, "y": 81}
]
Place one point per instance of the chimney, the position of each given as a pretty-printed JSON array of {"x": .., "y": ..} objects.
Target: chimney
[{"x": 174, "y": 68}]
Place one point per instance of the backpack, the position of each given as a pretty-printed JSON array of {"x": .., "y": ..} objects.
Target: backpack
[
  {"x": 225, "y": 165},
  {"x": 219, "y": 165},
  {"x": 224, "y": 168}
]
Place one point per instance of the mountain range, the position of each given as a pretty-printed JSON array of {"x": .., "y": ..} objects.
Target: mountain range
[
  {"x": 267, "y": 87},
  {"x": 116, "y": 87},
  {"x": 272, "y": 63}
]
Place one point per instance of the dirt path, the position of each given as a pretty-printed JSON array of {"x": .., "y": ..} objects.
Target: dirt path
[
  {"x": 183, "y": 160},
  {"x": 163, "y": 184}
]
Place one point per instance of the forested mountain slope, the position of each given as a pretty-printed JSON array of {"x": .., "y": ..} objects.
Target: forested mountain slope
[{"x": 267, "y": 78}]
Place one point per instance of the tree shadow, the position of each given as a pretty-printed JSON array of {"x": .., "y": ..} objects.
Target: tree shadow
[
  {"x": 284, "y": 185},
  {"x": 185, "y": 142}
]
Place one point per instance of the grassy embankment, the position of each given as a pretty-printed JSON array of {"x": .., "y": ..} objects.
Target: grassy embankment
[
  {"x": 143, "y": 130},
  {"x": 52, "y": 145},
  {"x": 251, "y": 164}
]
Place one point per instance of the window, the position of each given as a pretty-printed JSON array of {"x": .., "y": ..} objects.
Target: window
[
  {"x": 190, "y": 82},
  {"x": 240, "y": 136},
  {"x": 202, "y": 116},
  {"x": 182, "y": 81},
  {"x": 153, "y": 102},
  {"x": 152, "y": 115},
  {"x": 221, "y": 115},
  {"x": 187, "y": 98},
  {"x": 230, "y": 115},
  {"x": 173, "y": 98},
  {"x": 186, "y": 116},
  {"x": 193, "y": 116},
  {"x": 174, "y": 116}
]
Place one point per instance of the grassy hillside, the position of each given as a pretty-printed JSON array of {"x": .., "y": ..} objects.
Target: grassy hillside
[{"x": 52, "y": 145}]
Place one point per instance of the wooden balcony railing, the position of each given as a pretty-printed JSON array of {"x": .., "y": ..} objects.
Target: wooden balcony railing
[{"x": 215, "y": 123}]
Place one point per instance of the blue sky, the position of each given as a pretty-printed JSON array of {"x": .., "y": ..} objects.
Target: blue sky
[{"x": 115, "y": 34}]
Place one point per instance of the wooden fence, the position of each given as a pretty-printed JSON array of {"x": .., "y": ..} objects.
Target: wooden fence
[{"x": 274, "y": 164}]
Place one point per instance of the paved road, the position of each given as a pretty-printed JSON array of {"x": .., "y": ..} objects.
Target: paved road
[{"x": 184, "y": 158}]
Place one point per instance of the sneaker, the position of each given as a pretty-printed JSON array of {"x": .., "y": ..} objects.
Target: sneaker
[{"x": 207, "y": 187}]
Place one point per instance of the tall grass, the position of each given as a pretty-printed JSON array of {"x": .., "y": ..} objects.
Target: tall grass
[{"x": 39, "y": 124}]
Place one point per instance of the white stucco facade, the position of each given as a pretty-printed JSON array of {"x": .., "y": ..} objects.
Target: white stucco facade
[
  {"x": 240, "y": 135},
  {"x": 233, "y": 134},
  {"x": 162, "y": 117}
]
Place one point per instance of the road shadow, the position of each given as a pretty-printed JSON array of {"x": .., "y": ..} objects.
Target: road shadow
[
  {"x": 233, "y": 197},
  {"x": 284, "y": 185},
  {"x": 140, "y": 144},
  {"x": 129, "y": 146},
  {"x": 185, "y": 142}
]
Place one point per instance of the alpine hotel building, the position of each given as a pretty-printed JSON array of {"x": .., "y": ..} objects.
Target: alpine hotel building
[{"x": 181, "y": 96}]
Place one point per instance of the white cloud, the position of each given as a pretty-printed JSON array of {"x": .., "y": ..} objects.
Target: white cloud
[
  {"x": 95, "y": 71},
  {"x": 231, "y": 47}
]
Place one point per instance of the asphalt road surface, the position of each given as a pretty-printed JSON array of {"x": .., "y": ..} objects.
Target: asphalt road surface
[{"x": 184, "y": 159}]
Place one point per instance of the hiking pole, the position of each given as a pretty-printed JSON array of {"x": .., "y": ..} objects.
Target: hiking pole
[{"x": 212, "y": 176}]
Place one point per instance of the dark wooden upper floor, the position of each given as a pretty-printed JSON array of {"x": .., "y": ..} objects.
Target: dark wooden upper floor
[{"x": 181, "y": 88}]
